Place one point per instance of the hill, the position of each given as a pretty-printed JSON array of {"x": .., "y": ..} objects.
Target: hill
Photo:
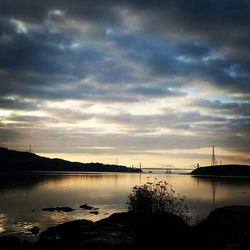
[
  {"x": 223, "y": 170},
  {"x": 16, "y": 161}
]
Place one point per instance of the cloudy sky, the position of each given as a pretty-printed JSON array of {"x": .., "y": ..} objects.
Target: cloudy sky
[{"x": 157, "y": 82}]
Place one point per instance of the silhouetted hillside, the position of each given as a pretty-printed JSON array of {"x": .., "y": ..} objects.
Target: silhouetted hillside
[
  {"x": 223, "y": 170},
  {"x": 15, "y": 161}
]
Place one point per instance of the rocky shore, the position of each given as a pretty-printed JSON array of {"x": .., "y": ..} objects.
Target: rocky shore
[{"x": 225, "y": 228}]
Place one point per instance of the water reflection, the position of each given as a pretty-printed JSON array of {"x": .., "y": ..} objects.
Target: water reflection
[
  {"x": 2, "y": 222},
  {"x": 23, "y": 196},
  {"x": 231, "y": 189}
]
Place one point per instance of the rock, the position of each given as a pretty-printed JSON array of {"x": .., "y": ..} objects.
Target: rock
[
  {"x": 85, "y": 234},
  {"x": 64, "y": 209},
  {"x": 66, "y": 229},
  {"x": 9, "y": 242},
  {"x": 147, "y": 231},
  {"x": 125, "y": 231},
  {"x": 94, "y": 212},
  {"x": 58, "y": 209},
  {"x": 225, "y": 227},
  {"x": 48, "y": 209},
  {"x": 227, "y": 217},
  {"x": 34, "y": 230},
  {"x": 87, "y": 207}
]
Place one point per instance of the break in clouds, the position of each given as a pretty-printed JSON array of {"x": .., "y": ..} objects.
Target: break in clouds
[{"x": 142, "y": 80}]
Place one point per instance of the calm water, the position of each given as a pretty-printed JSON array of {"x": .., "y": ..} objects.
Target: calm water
[{"x": 23, "y": 196}]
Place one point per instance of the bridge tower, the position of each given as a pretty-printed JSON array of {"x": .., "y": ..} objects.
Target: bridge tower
[{"x": 213, "y": 159}]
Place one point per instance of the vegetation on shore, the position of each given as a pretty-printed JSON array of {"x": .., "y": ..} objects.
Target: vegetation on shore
[
  {"x": 16, "y": 161},
  {"x": 223, "y": 170},
  {"x": 157, "y": 197}
]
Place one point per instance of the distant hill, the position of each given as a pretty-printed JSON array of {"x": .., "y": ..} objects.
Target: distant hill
[
  {"x": 223, "y": 170},
  {"x": 16, "y": 161}
]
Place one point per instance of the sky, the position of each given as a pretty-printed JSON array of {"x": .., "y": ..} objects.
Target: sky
[{"x": 156, "y": 82}]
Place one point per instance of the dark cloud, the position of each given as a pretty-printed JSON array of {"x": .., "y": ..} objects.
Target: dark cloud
[
  {"x": 51, "y": 53},
  {"x": 194, "y": 60},
  {"x": 14, "y": 104},
  {"x": 154, "y": 91},
  {"x": 225, "y": 108}
]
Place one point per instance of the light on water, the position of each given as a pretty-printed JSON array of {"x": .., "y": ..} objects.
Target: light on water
[{"x": 23, "y": 196}]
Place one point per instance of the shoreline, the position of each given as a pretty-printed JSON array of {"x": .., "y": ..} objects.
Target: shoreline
[
  {"x": 222, "y": 228},
  {"x": 229, "y": 170}
]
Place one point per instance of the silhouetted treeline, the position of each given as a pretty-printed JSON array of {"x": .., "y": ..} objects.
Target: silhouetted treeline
[
  {"x": 223, "y": 170},
  {"x": 15, "y": 161}
]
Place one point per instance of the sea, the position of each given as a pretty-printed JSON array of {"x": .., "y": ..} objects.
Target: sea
[{"x": 22, "y": 196}]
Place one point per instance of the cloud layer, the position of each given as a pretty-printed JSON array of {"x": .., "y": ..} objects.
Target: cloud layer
[{"x": 146, "y": 79}]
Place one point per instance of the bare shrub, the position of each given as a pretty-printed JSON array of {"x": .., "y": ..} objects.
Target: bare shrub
[{"x": 157, "y": 197}]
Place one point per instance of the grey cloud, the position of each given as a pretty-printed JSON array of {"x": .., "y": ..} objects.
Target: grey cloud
[
  {"x": 158, "y": 56},
  {"x": 194, "y": 60},
  {"x": 77, "y": 141},
  {"x": 173, "y": 120},
  {"x": 36, "y": 12},
  {"x": 233, "y": 108},
  {"x": 8, "y": 135},
  {"x": 29, "y": 120},
  {"x": 69, "y": 116},
  {"x": 155, "y": 90},
  {"x": 18, "y": 104}
]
